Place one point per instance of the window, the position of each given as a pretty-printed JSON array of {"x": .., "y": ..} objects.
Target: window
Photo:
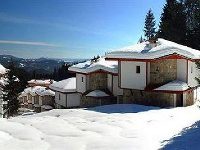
[
  {"x": 191, "y": 69},
  {"x": 157, "y": 69},
  {"x": 82, "y": 79},
  {"x": 137, "y": 69}
]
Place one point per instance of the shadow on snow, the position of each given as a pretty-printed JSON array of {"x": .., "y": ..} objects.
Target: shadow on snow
[
  {"x": 122, "y": 108},
  {"x": 189, "y": 139}
]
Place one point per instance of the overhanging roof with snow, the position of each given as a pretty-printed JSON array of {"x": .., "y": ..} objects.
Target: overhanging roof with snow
[
  {"x": 38, "y": 90},
  {"x": 97, "y": 93},
  {"x": 162, "y": 49},
  {"x": 93, "y": 66},
  {"x": 64, "y": 86},
  {"x": 175, "y": 86}
]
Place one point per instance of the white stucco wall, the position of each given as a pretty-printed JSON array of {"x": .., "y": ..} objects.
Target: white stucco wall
[
  {"x": 192, "y": 73},
  {"x": 113, "y": 85},
  {"x": 182, "y": 70},
  {"x": 67, "y": 99},
  {"x": 73, "y": 100},
  {"x": 196, "y": 95},
  {"x": 129, "y": 78},
  {"x": 148, "y": 72},
  {"x": 40, "y": 100},
  {"x": 62, "y": 100},
  {"x": 81, "y": 86},
  {"x": 32, "y": 99}
]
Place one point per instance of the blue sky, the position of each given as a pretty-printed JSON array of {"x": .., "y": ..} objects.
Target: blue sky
[{"x": 71, "y": 28}]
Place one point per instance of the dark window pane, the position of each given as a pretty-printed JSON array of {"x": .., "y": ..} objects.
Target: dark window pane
[{"x": 137, "y": 69}]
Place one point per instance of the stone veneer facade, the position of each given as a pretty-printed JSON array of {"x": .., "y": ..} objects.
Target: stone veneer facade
[
  {"x": 155, "y": 98},
  {"x": 92, "y": 101},
  {"x": 148, "y": 98},
  {"x": 163, "y": 71},
  {"x": 189, "y": 98},
  {"x": 97, "y": 81}
]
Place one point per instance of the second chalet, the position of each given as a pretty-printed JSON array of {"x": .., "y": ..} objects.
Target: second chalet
[{"x": 159, "y": 73}]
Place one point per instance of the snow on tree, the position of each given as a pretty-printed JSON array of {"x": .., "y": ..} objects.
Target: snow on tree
[{"x": 10, "y": 92}]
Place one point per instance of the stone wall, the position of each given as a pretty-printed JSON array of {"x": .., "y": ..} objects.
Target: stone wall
[
  {"x": 47, "y": 100},
  {"x": 120, "y": 99},
  {"x": 189, "y": 98},
  {"x": 148, "y": 98},
  {"x": 97, "y": 81},
  {"x": 92, "y": 102},
  {"x": 163, "y": 71}
]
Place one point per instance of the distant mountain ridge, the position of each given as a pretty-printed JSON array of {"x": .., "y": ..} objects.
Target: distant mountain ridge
[{"x": 40, "y": 65}]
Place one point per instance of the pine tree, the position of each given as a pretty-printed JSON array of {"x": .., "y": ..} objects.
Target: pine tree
[
  {"x": 173, "y": 22},
  {"x": 11, "y": 90},
  {"x": 149, "y": 28},
  {"x": 192, "y": 9}
]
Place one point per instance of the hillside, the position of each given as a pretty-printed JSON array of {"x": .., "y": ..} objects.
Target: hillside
[
  {"x": 114, "y": 127},
  {"x": 41, "y": 65}
]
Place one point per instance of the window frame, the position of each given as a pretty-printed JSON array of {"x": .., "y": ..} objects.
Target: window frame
[{"x": 138, "y": 69}]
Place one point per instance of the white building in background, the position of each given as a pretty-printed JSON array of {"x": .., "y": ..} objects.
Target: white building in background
[
  {"x": 38, "y": 98},
  {"x": 66, "y": 95}
]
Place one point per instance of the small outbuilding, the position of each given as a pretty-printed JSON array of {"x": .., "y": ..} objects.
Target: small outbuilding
[{"x": 66, "y": 95}]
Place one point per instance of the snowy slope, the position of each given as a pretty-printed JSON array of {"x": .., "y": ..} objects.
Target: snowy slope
[{"x": 114, "y": 127}]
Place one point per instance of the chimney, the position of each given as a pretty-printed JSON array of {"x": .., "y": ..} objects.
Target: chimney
[{"x": 152, "y": 43}]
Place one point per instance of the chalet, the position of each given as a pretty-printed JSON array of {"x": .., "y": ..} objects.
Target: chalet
[
  {"x": 37, "y": 98},
  {"x": 97, "y": 82},
  {"x": 160, "y": 73}
]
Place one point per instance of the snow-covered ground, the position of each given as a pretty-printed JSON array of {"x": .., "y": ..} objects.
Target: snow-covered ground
[{"x": 112, "y": 127}]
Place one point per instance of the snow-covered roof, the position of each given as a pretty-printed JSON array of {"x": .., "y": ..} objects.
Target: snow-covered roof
[
  {"x": 67, "y": 85},
  {"x": 36, "y": 105},
  {"x": 47, "y": 107},
  {"x": 34, "y": 81},
  {"x": 97, "y": 93},
  {"x": 32, "y": 90},
  {"x": 3, "y": 70},
  {"x": 92, "y": 66},
  {"x": 23, "y": 94},
  {"x": 40, "y": 90},
  {"x": 146, "y": 51},
  {"x": 173, "y": 86},
  {"x": 45, "y": 92}
]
